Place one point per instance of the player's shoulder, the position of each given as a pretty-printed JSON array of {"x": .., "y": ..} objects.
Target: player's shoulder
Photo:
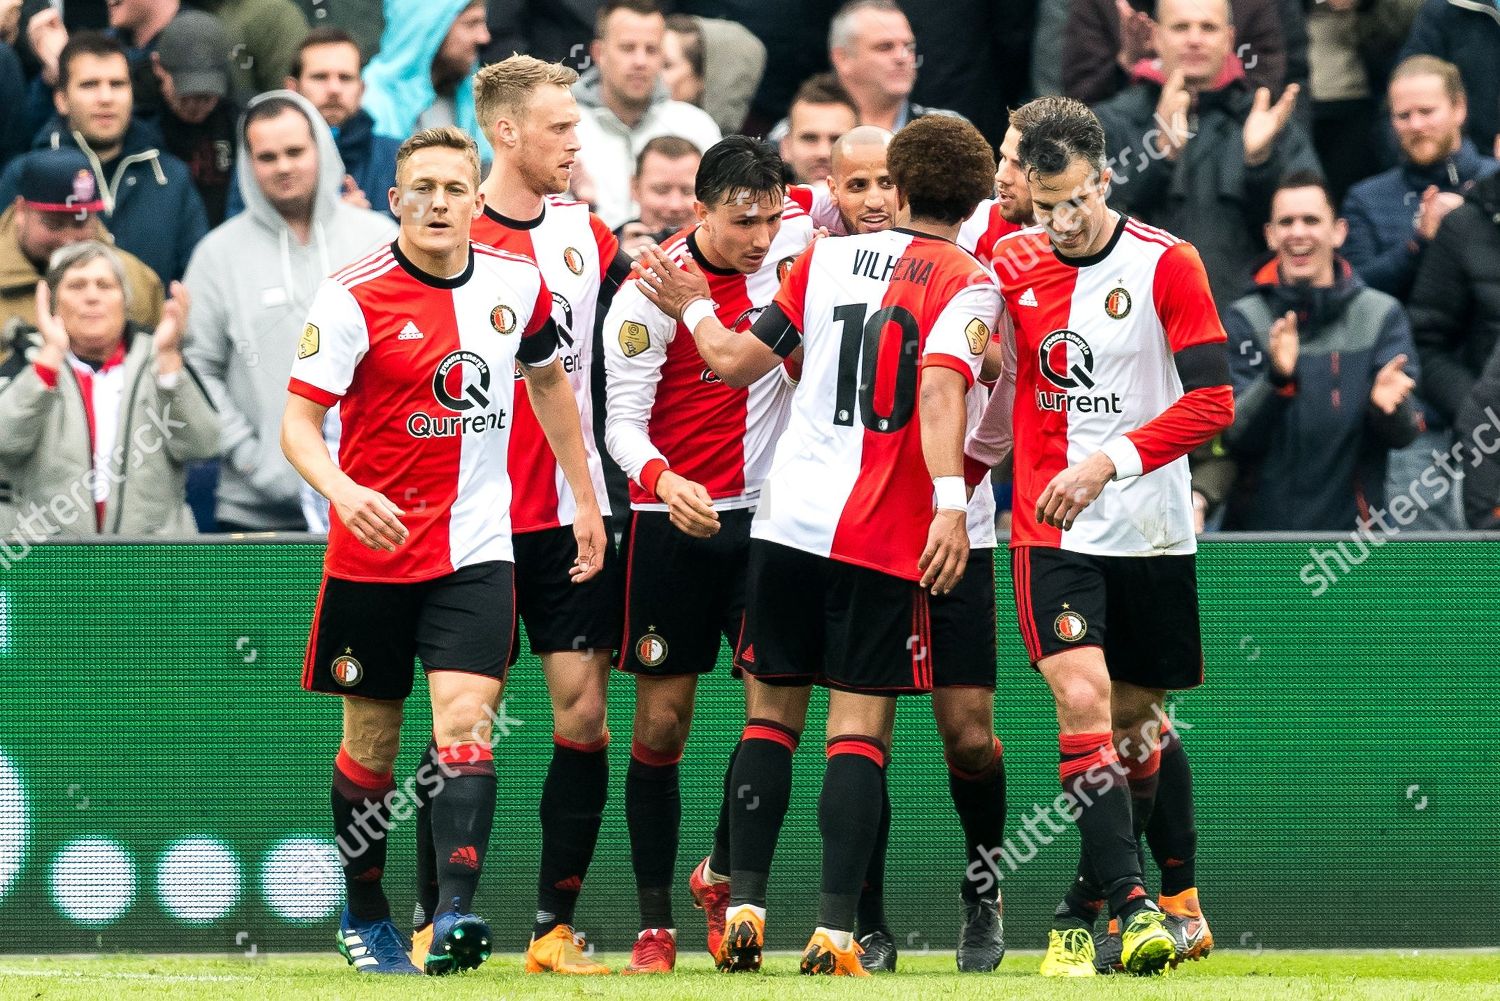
[
  {"x": 496, "y": 257},
  {"x": 374, "y": 264}
]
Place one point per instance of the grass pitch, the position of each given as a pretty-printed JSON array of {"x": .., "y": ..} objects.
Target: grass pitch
[{"x": 1231, "y": 975}]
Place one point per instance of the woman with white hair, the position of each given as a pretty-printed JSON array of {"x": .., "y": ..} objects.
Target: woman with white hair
[{"x": 99, "y": 418}]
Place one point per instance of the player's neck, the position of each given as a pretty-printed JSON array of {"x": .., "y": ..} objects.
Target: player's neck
[
  {"x": 443, "y": 264},
  {"x": 710, "y": 253},
  {"x": 506, "y": 192},
  {"x": 931, "y": 227}
]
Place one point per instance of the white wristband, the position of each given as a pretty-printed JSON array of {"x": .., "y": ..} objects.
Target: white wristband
[
  {"x": 951, "y": 493},
  {"x": 696, "y": 311}
]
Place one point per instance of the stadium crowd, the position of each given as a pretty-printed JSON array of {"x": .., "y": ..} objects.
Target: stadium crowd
[{"x": 179, "y": 176}]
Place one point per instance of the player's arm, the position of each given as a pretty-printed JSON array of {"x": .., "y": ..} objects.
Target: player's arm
[
  {"x": 990, "y": 443},
  {"x": 636, "y": 334},
  {"x": 614, "y": 265},
  {"x": 334, "y": 340},
  {"x": 556, "y": 409},
  {"x": 951, "y": 360},
  {"x": 683, "y": 294}
]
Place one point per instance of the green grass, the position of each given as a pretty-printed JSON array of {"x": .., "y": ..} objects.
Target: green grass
[{"x": 1234, "y": 976}]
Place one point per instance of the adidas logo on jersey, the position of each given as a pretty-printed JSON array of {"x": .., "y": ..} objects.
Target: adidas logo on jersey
[
  {"x": 409, "y": 332},
  {"x": 1028, "y": 298}
]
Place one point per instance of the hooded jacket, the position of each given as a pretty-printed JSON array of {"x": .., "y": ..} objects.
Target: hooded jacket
[
  {"x": 368, "y": 158},
  {"x": 1383, "y": 246},
  {"x": 18, "y": 278},
  {"x": 1208, "y": 195},
  {"x": 1313, "y": 451},
  {"x": 150, "y": 204},
  {"x": 252, "y": 283},
  {"x": 1455, "y": 300},
  {"x": 47, "y": 446},
  {"x": 398, "y": 81},
  {"x": 609, "y": 146}
]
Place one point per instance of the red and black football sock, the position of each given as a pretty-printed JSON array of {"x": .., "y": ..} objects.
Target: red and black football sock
[
  {"x": 572, "y": 808},
  {"x": 1091, "y": 773},
  {"x": 979, "y": 798},
  {"x": 427, "y": 880},
  {"x": 361, "y": 821},
  {"x": 463, "y": 811},
  {"x": 653, "y": 812},
  {"x": 718, "y": 859},
  {"x": 849, "y": 819},
  {"x": 1172, "y": 832},
  {"x": 1142, "y": 777},
  {"x": 762, "y": 784},
  {"x": 872, "y": 893}
]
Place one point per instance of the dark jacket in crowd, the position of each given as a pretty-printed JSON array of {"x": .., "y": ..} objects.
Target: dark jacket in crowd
[
  {"x": 1467, "y": 34},
  {"x": 1383, "y": 246},
  {"x": 208, "y": 150},
  {"x": 1207, "y": 196},
  {"x": 1455, "y": 301},
  {"x": 1312, "y": 451},
  {"x": 1478, "y": 431},
  {"x": 151, "y": 206},
  {"x": 13, "y": 137},
  {"x": 1271, "y": 53}
]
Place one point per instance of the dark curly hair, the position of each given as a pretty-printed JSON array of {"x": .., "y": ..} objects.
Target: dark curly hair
[
  {"x": 737, "y": 164},
  {"x": 943, "y": 166}
]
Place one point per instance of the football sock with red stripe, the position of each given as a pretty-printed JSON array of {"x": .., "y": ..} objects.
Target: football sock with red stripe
[
  {"x": 762, "y": 786},
  {"x": 571, "y": 811},
  {"x": 429, "y": 777},
  {"x": 1172, "y": 831},
  {"x": 1090, "y": 772},
  {"x": 718, "y": 859},
  {"x": 1142, "y": 777},
  {"x": 361, "y": 821},
  {"x": 872, "y": 894},
  {"x": 463, "y": 811},
  {"x": 979, "y": 798},
  {"x": 653, "y": 812},
  {"x": 849, "y": 820}
]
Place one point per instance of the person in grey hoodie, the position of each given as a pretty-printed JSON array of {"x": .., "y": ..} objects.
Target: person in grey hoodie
[{"x": 252, "y": 281}]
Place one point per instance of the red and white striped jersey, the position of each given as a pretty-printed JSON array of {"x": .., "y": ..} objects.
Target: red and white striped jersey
[
  {"x": 574, "y": 249},
  {"x": 667, "y": 408},
  {"x": 421, "y": 369},
  {"x": 849, "y": 480},
  {"x": 1094, "y": 342},
  {"x": 978, "y": 235}
]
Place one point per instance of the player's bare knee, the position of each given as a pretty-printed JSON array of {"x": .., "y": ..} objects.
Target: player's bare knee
[
  {"x": 582, "y": 715},
  {"x": 372, "y": 732},
  {"x": 464, "y": 719},
  {"x": 1082, "y": 703},
  {"x": 663, "y": 724},
  {"x": 970, "y": 748}
]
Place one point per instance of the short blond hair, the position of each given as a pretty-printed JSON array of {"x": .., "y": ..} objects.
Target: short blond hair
[
  {"x": 504, "y": 88},
  {"x": 444, "y": 137},
  {"x": 1424, "y": 65}
]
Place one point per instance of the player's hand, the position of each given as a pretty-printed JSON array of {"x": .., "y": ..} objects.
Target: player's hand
[
  {"x": 688, "y": 505},
  {"x": 947, "y": 551},
  {"x": 1392, "y": 385},
  {"x": 669, "y": 286},
  {"x": 370, "y": 517},
  {"x": 1285, "y": 344},
  {"x": 1074, "y": 489},
  {"x": 55, "y": 340},
  {"x": 1266, "y": 121},
  {"x": 588, "y": 532}
]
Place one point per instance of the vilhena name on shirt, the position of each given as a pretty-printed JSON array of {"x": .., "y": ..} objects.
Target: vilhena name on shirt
[{"x": 886, "y": 268}]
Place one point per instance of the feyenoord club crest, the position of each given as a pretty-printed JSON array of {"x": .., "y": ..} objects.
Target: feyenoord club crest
[
  {"x": 1117, "y": 303},
  {"x": 574, "y": 260},
  {"x": 651, "y": 650},
  {"x": 784, "y": 267},
  {"x": 503, "y": 319},
  {"x": 1070, "y": 626},
  {"x": 347, "y": 671}
]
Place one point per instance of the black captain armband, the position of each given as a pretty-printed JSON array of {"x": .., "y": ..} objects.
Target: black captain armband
[
  {"x": 1203, "y": 365},
  {"x": 536, "y": 348},
  {"x": 776, "y": 331}
]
